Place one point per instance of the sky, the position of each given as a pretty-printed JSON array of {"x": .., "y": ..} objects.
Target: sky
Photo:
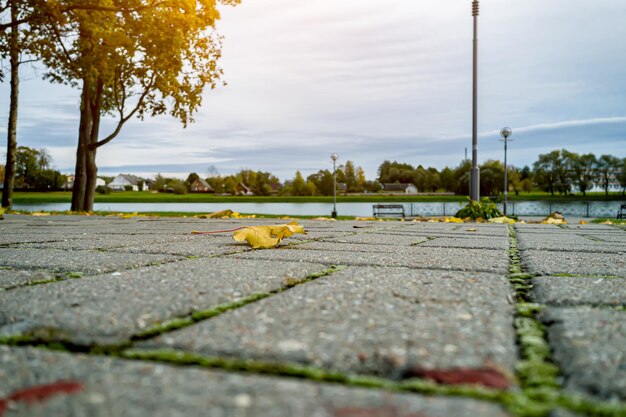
[{"x": 371, "y": 81}]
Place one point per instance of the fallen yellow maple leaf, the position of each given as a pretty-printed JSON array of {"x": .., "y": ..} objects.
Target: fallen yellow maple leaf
[{"x": 262, "y": 237}]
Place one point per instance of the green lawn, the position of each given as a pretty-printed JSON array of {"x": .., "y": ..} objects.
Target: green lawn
[{"x": 148, "y": 197}]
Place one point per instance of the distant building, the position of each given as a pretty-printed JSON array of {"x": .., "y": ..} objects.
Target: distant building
[
  {"x": 69, "y": 182},
  {"x": 400, "y": 188},
  {"x": 124, "y": 181},
  {"x": 200, "y": 186}
]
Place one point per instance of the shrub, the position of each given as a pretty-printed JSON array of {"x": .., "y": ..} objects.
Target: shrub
[
  {"x": 128, "y": 188},
  {"x": 485, "y": 209},
  {"x": 103, "y": 189}
]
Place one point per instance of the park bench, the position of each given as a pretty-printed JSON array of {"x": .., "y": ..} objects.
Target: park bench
[
  {"x": 621, "y": 214},
  {"x": 388, "y": 210}
]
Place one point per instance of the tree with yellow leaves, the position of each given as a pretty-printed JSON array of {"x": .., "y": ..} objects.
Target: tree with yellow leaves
[{"x": 148, "y": 57}]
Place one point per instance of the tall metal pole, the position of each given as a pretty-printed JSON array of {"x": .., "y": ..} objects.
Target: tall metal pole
[
  {"x": 506, "y": 132},
  {"x": 506, "y": 184},
  {"x": 475, "y": 173},
  {"x": 334, "y": 158}
]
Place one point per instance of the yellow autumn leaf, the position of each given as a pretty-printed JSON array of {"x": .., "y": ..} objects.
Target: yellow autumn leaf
[
  {"x": 217, "y": 215},
  {"x": 501, "y": 220},
  {"x": 606, "y": 222},
  {"x": 551, "y": 220},
  {"x": 582, "y": 222},
  {"x": 263, "y": 237},
  {"x": 453, "y": 220}
]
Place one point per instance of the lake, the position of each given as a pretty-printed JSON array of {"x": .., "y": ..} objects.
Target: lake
[{"x": 520, "y": 208}]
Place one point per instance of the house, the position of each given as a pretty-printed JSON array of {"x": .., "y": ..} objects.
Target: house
[
  {"x": 69, "y": 182},
  {"x": 243, "y": 189},
  {"x": 200, "y": 186},
  {"x": 126, "y": 181},
  {"x": 400, "y": 188}
]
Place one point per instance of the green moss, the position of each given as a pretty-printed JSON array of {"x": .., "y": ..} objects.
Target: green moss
[{"x": 75, "y": 275}]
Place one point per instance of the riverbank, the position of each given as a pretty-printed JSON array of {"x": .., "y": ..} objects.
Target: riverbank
[{"x": 149, "y": 197}]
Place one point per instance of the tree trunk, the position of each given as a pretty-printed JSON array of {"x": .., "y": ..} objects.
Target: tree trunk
[
  {"x": 86, "y": 172},
  {"x": 84, "y": 137},
  {"x": 14, "y": 52}
]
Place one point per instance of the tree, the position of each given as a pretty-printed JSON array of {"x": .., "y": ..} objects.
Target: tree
[
  {"x": 581, "y": 169},
  {"x": 606, "y": 170},
  {"x": 150, "y": 58},
  {"x": 446, "y": 179},
  {"x": 350, "y": 176},
  {"x": 298, "y": 187},
  {"x": 622, "y": 176},
  {"x": 491, "y": 177},
  {"x": 323, "y": 181},
  {"x": 550, "y": 173}
]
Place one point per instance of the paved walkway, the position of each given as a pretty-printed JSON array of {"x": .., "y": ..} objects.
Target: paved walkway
[{"x": 103, "y": 316}]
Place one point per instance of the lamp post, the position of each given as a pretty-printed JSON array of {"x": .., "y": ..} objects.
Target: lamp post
[
  {"x": 506, "y": 132},
  {"x": 334, "y": 157},
  {"x": 475, "y": 173}
]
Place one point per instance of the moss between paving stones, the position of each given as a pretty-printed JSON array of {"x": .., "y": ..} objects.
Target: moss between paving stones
[{"x": 539, "y": 376}]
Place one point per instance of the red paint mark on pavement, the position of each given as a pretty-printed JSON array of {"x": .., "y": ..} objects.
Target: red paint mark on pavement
[
  {"x": 487, "y": 377},
  {"x": 40, "y": 393}
]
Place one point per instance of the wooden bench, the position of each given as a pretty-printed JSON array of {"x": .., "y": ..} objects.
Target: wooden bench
[
  {"x": 621, "y": 214},
  {"x": 388, "y": 210}
]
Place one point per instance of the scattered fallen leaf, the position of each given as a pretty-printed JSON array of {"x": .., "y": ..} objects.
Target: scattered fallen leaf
[
  {"x": 582, "y": 222},
  {"x": 606, "y": 222},
  {"x": 501, "y": 220},
  {"x": 328, "y": 219},
  {"x": 39, "y": 214},
  {"x": 453, "y": 220},
  {"x": 550, "y": 220},
  {"x": 263, "y": 237},
  {"x": 216, "y": 215},
  {"x": 472, "y": 229},
  {"x": 365, "y": 219},
  {"x": 486, "y": 376}
]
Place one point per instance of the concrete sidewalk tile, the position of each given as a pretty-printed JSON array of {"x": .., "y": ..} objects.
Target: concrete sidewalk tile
[
  {"x": 568, "y": 262},
  {"x": 110, "y": 308},
  {"x": 89, "y": 262},
  {"x": 590, "y": 347},
  {"x": 369, "y": 321},
  {"x": 413, "y": 257},
  {"x": 106, "y": 387},
  {"x": 579, "y": 290}
]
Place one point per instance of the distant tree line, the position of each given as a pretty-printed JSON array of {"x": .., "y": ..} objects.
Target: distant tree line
[{"x": 557, "y": 172}]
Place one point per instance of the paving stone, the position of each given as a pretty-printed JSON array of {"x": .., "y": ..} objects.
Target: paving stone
[
  {"x": 471, "y": 242},
  {"x": 579, "y": 290},
  {"x": 413, "y": 257},
  {"x": 81, "y": 261},
  {"x": 378, "y": 239},
  {"x": 589, "y": 345},
  {"x": 114, "y": 387},
  {"x": 10, "y": 278},
  {"x": 110, "y": 308},
  {"x": 367, "y": 320},
  {"x": 568, "y": 262}
]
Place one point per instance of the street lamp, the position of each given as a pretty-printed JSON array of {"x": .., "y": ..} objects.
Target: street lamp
[
  {"x": 334, "y": 157},
  {"x": 475, "y": 173},
  {"x": 505, "y": 132}
]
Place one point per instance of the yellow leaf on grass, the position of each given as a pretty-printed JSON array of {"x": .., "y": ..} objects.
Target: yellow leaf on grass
[{"x": 263, "y": 237}]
